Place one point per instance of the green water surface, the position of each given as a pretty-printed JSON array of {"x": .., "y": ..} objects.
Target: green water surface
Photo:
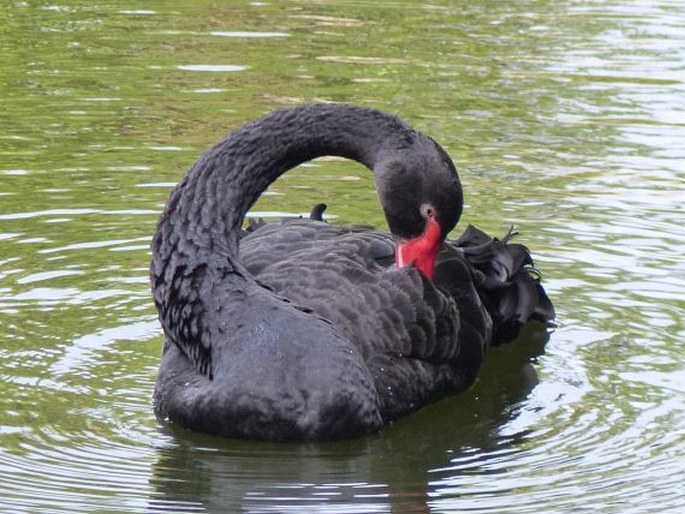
[{"x": 566, "y": 118}]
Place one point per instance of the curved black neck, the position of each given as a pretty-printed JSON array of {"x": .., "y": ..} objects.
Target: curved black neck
[
  {"x": 198, "y": 282},
  {"x": 208, "y": 207}
]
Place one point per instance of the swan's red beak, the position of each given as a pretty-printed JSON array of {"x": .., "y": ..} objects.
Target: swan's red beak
[{"x": 421, "y": 251}]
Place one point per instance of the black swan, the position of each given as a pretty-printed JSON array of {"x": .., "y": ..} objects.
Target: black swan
[{"x": 303, "y": 330}]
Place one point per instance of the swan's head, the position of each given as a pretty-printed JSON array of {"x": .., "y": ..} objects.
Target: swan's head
[{"x": 422, "y": 198}]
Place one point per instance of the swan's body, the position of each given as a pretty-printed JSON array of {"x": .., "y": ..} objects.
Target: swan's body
[{"x": 310, "y": 331}]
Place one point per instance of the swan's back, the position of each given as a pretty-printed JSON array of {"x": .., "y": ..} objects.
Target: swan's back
[
  {"x": 410, "y": 333},
  {"x": 420, "y": 339}
]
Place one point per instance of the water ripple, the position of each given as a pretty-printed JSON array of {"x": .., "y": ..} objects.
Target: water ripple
[{"x": 565, "y": 118}]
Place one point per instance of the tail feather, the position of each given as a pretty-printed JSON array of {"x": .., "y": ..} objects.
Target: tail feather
[{"x": 506, "y": 281}]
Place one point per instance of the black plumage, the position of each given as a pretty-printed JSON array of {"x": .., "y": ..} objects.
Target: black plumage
[{"x": 301, "y": 329}]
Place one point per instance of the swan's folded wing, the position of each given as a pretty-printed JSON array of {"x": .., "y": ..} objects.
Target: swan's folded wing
[{"x": 406, "y": 329}]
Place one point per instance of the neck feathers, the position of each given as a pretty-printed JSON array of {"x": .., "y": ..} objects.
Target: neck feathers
[{"x": 212, "y": 200}]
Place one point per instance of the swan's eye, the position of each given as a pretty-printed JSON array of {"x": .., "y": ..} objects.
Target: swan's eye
[{"x": 427, "y": 211}]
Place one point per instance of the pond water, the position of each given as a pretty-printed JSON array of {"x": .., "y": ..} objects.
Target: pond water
[{"x": 566, "y": 118}]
